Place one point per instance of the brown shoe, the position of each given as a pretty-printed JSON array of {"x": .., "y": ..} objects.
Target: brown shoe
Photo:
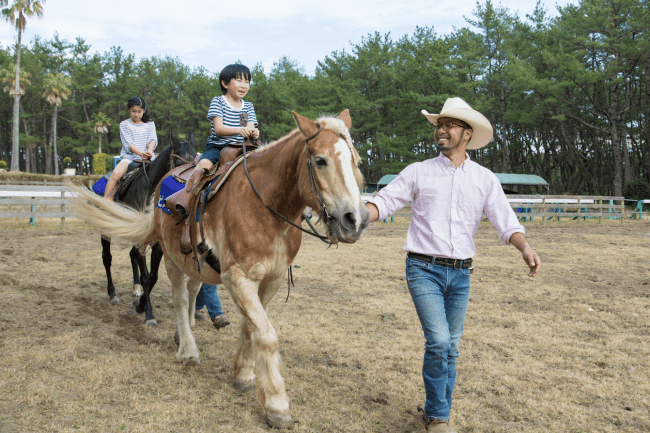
[
  {"x": 198, "y": 315},
  {"x": 220, "y": 321},
  {"x": 435, "y": 425}
]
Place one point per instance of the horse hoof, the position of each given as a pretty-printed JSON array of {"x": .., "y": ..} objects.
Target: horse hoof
[
  {"x": 114, "y": 300},
  {"x": 136, "y": 306},
  {"x": 191, "y": 362},
  {"x": 279, "y": 420},
  {"x": 245, "y": 385},
  {"x": 151, "y": 322}
]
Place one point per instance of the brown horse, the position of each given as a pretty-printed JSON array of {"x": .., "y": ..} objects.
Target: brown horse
[{"x": 314, "y": 165}]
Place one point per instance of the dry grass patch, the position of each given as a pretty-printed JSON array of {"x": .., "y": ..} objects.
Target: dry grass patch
[{"x": 567, "y": 351}]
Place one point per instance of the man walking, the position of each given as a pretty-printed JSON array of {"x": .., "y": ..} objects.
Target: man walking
[{"x": 448, "y": 195}]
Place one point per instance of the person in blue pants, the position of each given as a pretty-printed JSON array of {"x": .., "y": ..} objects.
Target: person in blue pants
[{"x": 207, "y": 296}]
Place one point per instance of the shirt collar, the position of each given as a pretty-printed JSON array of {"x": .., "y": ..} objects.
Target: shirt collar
[{"x": 447, "y": 162}]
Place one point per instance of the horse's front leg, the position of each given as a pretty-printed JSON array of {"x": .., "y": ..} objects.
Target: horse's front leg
[
  {"x": 187, "y": 353},
  {"x": 137, "y": 287},
  {"x": 264, "y": 343},
  {"x": 107, "y": 259},
  {"x": 244, "y": 363}
]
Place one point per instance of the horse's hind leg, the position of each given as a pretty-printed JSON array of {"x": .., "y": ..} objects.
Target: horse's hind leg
[
  {"x": 264, "y": 341},
  {"x": 107, "y": 259},
  {"x": 187, "y": 353},
  {"x": 137, "y": 287},
  {"x": 150, "y": 278}
]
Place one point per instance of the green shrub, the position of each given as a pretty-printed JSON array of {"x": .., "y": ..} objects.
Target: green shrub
[
  {"x": 102, "y": 163},
  {"x": 637, "y": 189},
  {"x": 2, "y": 164}
]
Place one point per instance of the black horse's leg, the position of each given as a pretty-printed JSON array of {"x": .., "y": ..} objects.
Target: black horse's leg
[
  {"x": 137, "y": 287},
  {"x": 144, "y": 303},
  {"x": 156, "y": 258},
  {"x": 107, "y": 258}
]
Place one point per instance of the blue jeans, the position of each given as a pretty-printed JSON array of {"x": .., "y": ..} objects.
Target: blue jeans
[
  {"x": 440, "y": 295},
  {"x": 208, "y": 296}
]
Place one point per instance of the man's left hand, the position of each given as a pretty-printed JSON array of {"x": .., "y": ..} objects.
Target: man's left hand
[{"x": 532, "y": 260}]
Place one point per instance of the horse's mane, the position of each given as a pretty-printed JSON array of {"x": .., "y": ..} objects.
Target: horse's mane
[{"x": 334, "y": 124}]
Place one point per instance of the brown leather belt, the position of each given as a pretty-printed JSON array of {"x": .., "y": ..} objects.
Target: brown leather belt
[{"x": 450, "y": 263}]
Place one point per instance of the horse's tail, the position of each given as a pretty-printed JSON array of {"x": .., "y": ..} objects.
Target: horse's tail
[{"x": 113, "y": 219}]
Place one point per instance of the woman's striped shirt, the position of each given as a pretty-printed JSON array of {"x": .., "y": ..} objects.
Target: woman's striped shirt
[
  {"x": 220, "y": 107},
  {"x": 137, "y": 135}
]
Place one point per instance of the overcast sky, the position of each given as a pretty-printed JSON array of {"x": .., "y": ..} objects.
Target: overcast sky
[{"x": 215, "y": 33}]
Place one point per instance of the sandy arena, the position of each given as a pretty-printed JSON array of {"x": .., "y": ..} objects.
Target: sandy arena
[{"x": 567, "y": 351}]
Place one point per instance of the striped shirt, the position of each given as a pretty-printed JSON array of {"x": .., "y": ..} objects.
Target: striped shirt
[
  {"x": 138, "y": 136},
  {"x": 447, "y": 204},
  {"x": 220, "y": 107}
]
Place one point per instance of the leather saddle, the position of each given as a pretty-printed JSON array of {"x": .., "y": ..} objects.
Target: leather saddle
[{"x": 189, "y": 206}]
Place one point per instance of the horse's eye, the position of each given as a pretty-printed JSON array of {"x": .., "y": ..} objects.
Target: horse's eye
[{"x": 320, "y": 162}]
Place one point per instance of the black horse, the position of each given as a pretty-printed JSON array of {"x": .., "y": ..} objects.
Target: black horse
[{"x": 136, "y": 193}]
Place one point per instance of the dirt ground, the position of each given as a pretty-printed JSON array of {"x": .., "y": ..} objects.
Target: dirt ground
[{"x": 567, "y": 351}]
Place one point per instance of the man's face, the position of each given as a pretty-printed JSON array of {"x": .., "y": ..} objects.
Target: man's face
[{"x": 450, "y": 133}]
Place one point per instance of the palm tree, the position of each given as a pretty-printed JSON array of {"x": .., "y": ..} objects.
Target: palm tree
[
  {"x": 56, "y": 88},
  {"x": 17, "y": 14},
  {"x": 101, "y": 127}
]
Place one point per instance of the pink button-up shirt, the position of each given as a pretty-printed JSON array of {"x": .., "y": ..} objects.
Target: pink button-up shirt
[{"x": 447, "y": 204}]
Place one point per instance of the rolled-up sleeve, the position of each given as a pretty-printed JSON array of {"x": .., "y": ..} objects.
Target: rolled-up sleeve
[{"x": 498, "y": 210}]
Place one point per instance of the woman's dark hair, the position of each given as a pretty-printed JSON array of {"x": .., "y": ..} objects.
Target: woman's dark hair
[
  {"x": 137, "y": 101},
  {"x": 233, "y": 71}
]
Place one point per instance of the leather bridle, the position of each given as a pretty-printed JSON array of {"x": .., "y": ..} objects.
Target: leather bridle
[{"x": 323, "y": 211}]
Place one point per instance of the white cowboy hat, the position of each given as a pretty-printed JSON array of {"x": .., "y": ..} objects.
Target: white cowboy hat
[{"x": 456, "y": 108}]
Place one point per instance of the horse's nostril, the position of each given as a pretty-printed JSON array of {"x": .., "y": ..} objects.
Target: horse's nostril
[{"x": 349, "y": 220}]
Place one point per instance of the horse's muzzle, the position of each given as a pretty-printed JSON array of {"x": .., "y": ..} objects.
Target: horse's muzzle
[{"x": 347, "y": 225}]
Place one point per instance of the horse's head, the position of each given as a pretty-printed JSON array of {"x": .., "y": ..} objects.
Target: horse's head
[
  {"x": 183, "y": 152},
  {"x": 333, "y": 165}
]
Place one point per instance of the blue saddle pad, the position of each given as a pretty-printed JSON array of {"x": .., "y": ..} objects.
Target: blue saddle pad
[
  {"x": 168, "y": 187},
  {"x": 100, "y": 186}
]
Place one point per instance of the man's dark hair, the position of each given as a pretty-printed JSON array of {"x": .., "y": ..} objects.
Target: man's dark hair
[{"x": 235, "y": 71}]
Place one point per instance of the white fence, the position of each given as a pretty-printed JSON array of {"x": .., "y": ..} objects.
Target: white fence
[
  {"x": 555, "y": 206},
  {"x": 41, "y": 195}
]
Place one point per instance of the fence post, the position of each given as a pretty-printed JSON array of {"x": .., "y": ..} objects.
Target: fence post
[
  {"x": 543, "y": 210},
  {"x": 622, "y": 211},
  {"x": 63, "y": 210},
  {"x": 600, "y": 211},
  {"x": 32, "y": 219}
]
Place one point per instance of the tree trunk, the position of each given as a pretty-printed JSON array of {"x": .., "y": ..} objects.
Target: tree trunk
[
  {"x": 100, "y": 144},
  {"x": 56, "y": 156},
  {"x": 15, "y": 154}
]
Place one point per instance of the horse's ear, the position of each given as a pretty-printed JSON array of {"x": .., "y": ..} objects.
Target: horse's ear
[
  {"x": 174, "y": 139},
  {"x": 307, "y": 126},
  {"x": 192, "y": 138},
  {"x": 345, "y": 117}
]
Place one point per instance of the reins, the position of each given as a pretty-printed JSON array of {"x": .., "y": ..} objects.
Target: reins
[{"x": 323, "y": 211}]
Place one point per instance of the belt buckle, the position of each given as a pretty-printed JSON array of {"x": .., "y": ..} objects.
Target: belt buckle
[{"x": 457, "y": 264}]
